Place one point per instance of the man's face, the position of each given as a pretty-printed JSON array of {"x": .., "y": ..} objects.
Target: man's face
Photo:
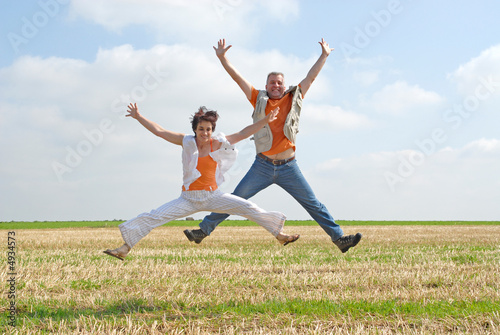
[{"x": 275, "y": 86}]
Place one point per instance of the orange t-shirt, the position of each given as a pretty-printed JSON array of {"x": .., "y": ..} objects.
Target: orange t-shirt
[
  {"x": 207, "y": 181},
  {"x": 280, "y": 142}
]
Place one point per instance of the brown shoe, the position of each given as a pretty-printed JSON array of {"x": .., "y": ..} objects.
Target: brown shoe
[
  {"x": 285, "y": 239},
  {"x": 119, "y": 253}
]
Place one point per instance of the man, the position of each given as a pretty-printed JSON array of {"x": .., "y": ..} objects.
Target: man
[{"x": 275, "y": 144}]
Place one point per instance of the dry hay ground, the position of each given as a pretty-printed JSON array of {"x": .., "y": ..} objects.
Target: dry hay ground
[{"x": 400, "y": 279}]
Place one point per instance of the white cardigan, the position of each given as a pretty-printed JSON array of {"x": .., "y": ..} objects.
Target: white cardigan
[{"x": 224, "y": 157}]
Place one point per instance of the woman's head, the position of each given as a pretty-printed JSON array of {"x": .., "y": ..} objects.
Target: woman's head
[{"x": 204, "y": 114}]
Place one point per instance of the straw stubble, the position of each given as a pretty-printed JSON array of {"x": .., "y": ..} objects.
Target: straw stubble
[{"x": 410, "y": 279}]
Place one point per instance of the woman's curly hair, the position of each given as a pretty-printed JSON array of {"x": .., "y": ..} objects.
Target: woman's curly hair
[{"x": 204, "y": 114}]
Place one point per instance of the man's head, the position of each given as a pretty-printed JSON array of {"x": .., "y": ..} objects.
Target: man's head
[{"x": 275, "y": 85}]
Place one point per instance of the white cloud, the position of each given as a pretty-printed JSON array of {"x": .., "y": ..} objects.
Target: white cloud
[
  {"x": 478, "y": 84},
  {"x": 316, "y": 118},
  {"x": 52, "y": 117},
  {"x": 187, "y": 20},
  {"x": 483, "y": 145},
  {"x": 480, "y": 69},
  {"x": 400, "y": 98},
  {"x": 451, "y": 184},
  {"x": 63, "y": 133},
  {"x": 50, "y": 106}
]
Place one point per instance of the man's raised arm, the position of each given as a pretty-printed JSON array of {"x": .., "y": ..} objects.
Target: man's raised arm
[
  {"x": 316, "y": 68},
  {"x": 220, "y": 51}
]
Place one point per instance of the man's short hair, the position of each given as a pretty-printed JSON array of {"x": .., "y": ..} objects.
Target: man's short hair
[{"x": 274, "y": 73}]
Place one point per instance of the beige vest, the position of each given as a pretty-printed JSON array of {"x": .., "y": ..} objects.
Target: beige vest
[{"x": 264, "y": 137}]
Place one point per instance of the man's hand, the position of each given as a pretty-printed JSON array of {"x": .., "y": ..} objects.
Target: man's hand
[
  {"x": 325, "y": 48},
  {"x": 305, "y": 84},
  {"x": 132, "y": 110},
  {"x": 221, "y": 49}
]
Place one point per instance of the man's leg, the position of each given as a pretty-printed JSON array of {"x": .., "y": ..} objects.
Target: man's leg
[
  {"x": 290, "y": 178},
  {"x": 256, "y": 179}
]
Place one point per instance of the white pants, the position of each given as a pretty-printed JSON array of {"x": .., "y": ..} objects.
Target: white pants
[{"x": 191, "y": 202}]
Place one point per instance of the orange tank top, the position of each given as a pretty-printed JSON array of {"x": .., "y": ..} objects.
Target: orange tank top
[{"x": 207, "y": 167}]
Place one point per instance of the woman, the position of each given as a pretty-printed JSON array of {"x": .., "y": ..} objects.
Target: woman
[{"x": 205, "y": 159}]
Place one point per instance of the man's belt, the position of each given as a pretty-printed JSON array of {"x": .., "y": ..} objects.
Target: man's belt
[{"x": 275, "y": 161}]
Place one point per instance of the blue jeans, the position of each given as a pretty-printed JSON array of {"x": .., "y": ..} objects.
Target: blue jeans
[{"x": 288, "y": 176}]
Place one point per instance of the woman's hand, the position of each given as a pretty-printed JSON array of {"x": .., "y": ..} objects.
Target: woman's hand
[
  {"x": 273, "y": 115},
  {"x": 132, "y": 110}
]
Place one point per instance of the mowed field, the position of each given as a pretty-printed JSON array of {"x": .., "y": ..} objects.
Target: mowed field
[{"x": 399, "y": 279}]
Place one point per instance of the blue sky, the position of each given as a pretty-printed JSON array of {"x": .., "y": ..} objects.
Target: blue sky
[{"x": 401, "y": 124}]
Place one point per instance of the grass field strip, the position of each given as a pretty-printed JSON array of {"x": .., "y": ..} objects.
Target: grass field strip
[{"x": 399, "y": 279}]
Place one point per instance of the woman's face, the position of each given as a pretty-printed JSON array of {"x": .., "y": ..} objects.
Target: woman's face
[{"x": 204, "y": 131}]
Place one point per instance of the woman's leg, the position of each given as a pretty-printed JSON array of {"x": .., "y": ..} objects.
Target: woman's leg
[
  {"x": 271, "y": 221},
  {"x": 135, "y": 229},
  {"x": 255, "y": 180}
]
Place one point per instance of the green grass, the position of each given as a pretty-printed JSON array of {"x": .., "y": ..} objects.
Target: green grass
[
  {"x": 228, "y": 223},
  {"x": 307, "y": 310},
  {"x": 58, "y": 224},
  {"x": 400, "y": 279},
  {"x": 358, "y": 309}
]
